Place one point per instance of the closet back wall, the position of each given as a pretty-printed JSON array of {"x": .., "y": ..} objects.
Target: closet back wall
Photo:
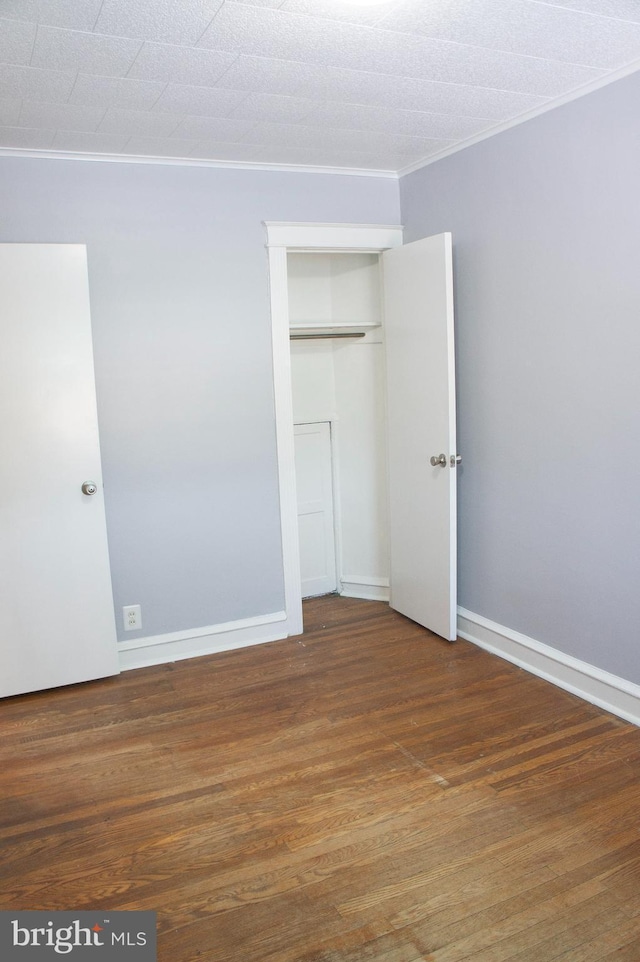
[{"x": 180, "y": 312}]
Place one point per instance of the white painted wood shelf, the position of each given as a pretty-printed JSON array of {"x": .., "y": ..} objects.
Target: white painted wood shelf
[{"x": 326, "y": 328}]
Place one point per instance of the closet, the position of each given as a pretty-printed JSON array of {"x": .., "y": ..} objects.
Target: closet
[
  {"x": 364, "y": 387},
  {"x": 338, "y": 391}
]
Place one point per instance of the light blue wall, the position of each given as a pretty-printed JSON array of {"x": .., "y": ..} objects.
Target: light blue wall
[
  {"x": 180, "y": 309},
  {"x": 546, "y": 226}
]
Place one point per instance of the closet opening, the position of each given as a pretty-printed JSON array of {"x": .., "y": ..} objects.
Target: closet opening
[
  {"x": 383, "y": 404},
  {"x": 338, "y": 396}
]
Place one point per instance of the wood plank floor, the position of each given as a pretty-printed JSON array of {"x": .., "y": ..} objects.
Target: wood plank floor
[{"x": 365, "y": 791}]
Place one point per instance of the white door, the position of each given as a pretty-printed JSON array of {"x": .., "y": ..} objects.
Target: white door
[
  {"x": 418, "y": 320},
  {"x": 315, "y": 508},
  {"x": 56, "y": 610}
]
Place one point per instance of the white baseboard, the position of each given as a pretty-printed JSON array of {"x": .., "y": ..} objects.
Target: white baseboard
[
  {"x": 364, "y": 586},
  {"x": 175, "y": 646},
  {"x": 614, "y": 694},
  {"x": 316, "y": 587}
]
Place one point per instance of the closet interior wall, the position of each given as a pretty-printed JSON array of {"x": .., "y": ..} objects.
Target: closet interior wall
[{"x": 342, "y": 381}]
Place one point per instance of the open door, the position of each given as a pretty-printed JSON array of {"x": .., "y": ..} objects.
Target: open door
[
  {"x": 418, "y": 320},
  {"x": 56, "y": 606}
]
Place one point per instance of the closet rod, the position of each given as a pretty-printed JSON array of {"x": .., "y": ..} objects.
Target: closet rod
[{"x": 306, "y": 337}]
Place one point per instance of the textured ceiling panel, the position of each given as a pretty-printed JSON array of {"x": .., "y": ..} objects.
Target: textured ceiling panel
[
  {"x": 160, "y": 146},
  {"x": 58, "y": 49},
  {"x": 26, "y": 139},
  {"x": 262, "y": 32},
  {"x": 9, "y": 112},
  {"x": 181, "y": 65},
  {"x": 274, "y": 4},
  {"x": 406, "y": 122},
  {"x": 274, "y": 109},
  {"x": 65, "y": 116},
  {"x": 219, "y": 150},
  {"x": 16, "y": 41},
  {"x": 163, "y": 20},
  {"x": 214, "y": 128},
  {"x": 203, "y": 101},
  {"x": 91, "y": 91},
  {"x": 519, "y": 26},
  {"x": 53, "y": 13},
  {"x": 91, "y": 143},
  {"x": 296, "y": 82},
  {"x": 619, "y": 9},
  {"x": 285, "y": 77},
  {"x": 119, "y": 121},
  {"x": 330, "y": 10},
  {"x": 298, "y": 135},
  {"x": 30, "y": 83}
]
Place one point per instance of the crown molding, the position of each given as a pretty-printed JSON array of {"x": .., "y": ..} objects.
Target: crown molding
[{"x": 188, "y": 162}]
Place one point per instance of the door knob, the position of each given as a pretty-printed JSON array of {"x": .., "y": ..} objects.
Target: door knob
[
  {"x": 455, "y": 459},
  {"x": 89, "y": 487},
  {"x": 439, "y": 459}
]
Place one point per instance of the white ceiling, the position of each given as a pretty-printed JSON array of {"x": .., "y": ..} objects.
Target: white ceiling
[{"x": 321, "y": 83}]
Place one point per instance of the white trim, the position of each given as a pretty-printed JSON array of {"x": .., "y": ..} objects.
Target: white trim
[
  {"x": 195, "y": 162},
  {"x": 575, "y": 94},
  {"x": 285, "y": 439},
  {"x": 614, "y": 694},
  {"x": 365, "y": 586},
  {"x": 339, "y": 237},
  {"x": 282, "y": 236},
  {"x": 177, "y": 645}
]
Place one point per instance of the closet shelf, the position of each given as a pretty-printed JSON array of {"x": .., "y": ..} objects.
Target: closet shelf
[{"x": 328, "y": 328}]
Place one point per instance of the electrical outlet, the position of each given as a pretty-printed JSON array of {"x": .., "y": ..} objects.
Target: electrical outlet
[{"x": 132, "y": 617}]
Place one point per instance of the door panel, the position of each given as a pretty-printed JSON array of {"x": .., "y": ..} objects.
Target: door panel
[
  {"x": 418, "y": 321},
  {"x": 56, "y": 608},
  {"x": 315, "y": 508}
]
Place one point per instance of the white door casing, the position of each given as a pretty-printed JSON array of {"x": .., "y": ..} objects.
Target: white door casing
[
  {"x": 283, "y": 237},
  {"x": 421, "y": 424},
  {"x": 315, "y": 508},
  {"x": 56, "y": 607}
]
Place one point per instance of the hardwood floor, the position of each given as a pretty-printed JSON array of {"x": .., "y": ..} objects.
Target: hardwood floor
[{"x": 365, "y": 791}]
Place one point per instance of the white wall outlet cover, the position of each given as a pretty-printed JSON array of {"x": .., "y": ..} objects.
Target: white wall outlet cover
[{"x": 132, "y": 617}]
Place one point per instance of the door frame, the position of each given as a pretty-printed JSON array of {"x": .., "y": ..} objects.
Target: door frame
[{"x": 283, "y": 237}]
